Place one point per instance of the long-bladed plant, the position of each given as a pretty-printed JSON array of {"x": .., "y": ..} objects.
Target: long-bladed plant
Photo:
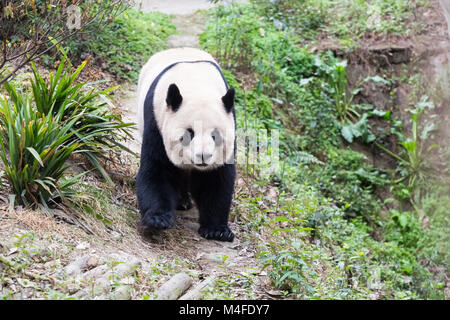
[
  {"x": 35, "y": 148},
  {"x": 99, "y": 127}
]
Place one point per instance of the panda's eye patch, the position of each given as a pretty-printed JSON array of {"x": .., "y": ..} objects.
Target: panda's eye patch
[
  {"x": 187, "y": 137},
  {"x": 216, "y": 137}
]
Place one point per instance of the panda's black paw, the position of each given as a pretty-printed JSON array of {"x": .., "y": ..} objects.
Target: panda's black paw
[
  {"x": 221, "y": 233},
  {"x": 158, "y": 220}
]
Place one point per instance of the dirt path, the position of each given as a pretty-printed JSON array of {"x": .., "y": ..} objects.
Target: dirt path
[
  {"x": 177, "y": 7},
  {"x": 213, "y": 258}
]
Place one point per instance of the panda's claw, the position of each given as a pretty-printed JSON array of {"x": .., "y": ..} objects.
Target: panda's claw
[
  {"x": 158, "y": 221},
  {"x": 217, "y": 233}
]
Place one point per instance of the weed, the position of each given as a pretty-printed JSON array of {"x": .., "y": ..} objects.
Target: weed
[{"x": 414, "y": 164}]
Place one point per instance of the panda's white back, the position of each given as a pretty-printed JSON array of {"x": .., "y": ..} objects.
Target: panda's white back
[{"x": 195, "y": 80}]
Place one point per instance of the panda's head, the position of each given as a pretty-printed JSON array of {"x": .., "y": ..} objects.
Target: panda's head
[{"x": 199, "y": 130}]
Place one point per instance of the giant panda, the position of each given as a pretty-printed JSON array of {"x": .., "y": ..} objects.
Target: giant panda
[{"x": 186, "y": 119}]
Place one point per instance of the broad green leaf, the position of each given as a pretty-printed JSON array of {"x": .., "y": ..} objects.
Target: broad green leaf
[{"x": 347, "y": 133}]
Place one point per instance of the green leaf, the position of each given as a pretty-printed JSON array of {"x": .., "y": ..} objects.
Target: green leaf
[
  {"x": 410, "y": 145},
  {"x": 36, "y": 155},
  {"x": 377, "y": 79},
  {"x": 403, "y": 220},
  {"x": 347, "y": 133},
  {"x": 381, "y": 113},
  {"x": 281, "y": 218}
]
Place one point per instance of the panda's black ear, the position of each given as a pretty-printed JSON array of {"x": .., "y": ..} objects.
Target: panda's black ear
[
  {"x": 228, "y": 100},
  {"x": 174, "y": 97}
]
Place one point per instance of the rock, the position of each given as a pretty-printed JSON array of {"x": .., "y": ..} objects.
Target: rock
[
  {"x": 83, "y": 246},
  {"x": 128, "y": 266},
  {"x": 72, "y": 288},
  {"x": 103, "y": 278},
  {"x": 96, "y": 272},
  {"x": 26, "y": 283},
  {"x": 116, "y": 236},
  {"x": 173, "y": 288},
  {"x": 127, "y": 281},
  {"x": 198, "y": 292},
  {"x": 122, "y": 293},
  {"x": 81, "y": 264},
  {"x": 91, "y": 263}
]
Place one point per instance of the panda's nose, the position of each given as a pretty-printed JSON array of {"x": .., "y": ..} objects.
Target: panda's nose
[{"x": 203, "y": 156}]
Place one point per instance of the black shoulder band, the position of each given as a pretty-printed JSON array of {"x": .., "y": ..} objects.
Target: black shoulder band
[{"x": 155, "y": 82}]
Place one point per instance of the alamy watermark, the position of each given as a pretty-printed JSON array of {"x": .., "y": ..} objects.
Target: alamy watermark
[
  {"x": 207, "y": 146},
  {"x": 73, "y": 17},
  {"x": 259, "y": 148}
]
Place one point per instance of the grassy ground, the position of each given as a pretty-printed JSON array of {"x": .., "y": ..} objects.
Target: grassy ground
[{"x": 330, "y": 223}]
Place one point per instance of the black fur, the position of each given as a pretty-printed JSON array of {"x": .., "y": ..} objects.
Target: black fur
[
  {"x": 174, "y": 97},
  {"x": 162, "y": 187},
  {"x": 228, "y": 99}
]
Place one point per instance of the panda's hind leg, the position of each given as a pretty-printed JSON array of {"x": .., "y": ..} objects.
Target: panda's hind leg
[{"x": 184, "y": 202}]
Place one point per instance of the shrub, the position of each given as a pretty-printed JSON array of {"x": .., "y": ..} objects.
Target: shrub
[
  {"x": 44, "y": 127},
  {"x": 126, "y": 43},
  {"x": 35, "y": 148},
  {"x": 29, "y": 29},
  {"x": 351, "y": 252},
  {"x": 100, "y": 128}
]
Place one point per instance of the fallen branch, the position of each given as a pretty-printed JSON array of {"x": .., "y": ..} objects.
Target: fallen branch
[{"x": 174, "y": 288}]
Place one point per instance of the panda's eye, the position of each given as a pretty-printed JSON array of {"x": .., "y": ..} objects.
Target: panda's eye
[
  {"x": 216, "y": 137},
  {"x": 187, "y": 137}
]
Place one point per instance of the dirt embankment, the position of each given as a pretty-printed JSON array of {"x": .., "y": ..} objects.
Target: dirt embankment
[{"x": 415, "y": 63}]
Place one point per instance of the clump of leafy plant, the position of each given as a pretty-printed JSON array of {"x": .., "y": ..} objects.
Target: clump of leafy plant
[
  {"x": 42, "y": 128},
  {"x": 351, "y": 182},
  {"x": 31, "y": 29},
  {"x": 413, "y": 161},
  {"x": 290, "y": 268},
  {"x": 337, "y": 79},
  {"x": 34, "y": 149},
  {"x": 355, "y": 18},
  {"x": 100, "y": 128},
  {"x": 305, "y": 17},
  {"x": 353, "y": 123}
]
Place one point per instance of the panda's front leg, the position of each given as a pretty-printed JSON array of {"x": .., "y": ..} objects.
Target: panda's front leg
[
  {"x": 157, "y": 198},
  {"x": 156, "y": 192},
  {"x": 213, "y": 192}
]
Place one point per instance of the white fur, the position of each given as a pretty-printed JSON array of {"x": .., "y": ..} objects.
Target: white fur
[{"x": 202, "y": 109}]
